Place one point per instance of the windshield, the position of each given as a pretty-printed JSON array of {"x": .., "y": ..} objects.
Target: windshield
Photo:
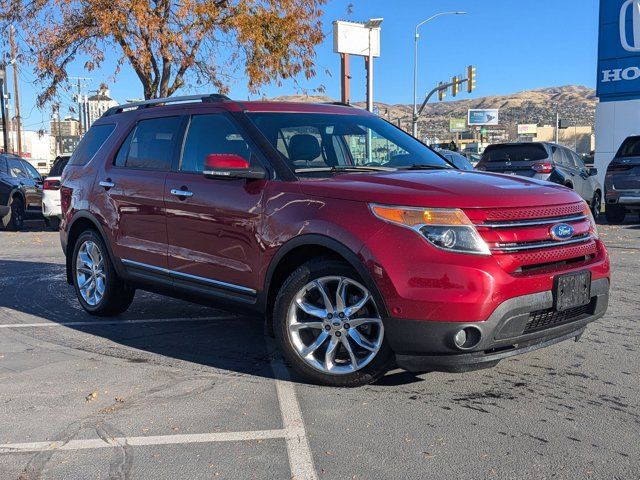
[{"x": 318, "y": 142}]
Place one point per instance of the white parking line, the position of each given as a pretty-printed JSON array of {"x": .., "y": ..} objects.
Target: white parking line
[
  {"x": 112, "y": 322},
  {"x": 300, "y": 457},
  {"x": 141, "y": 441},
  {"x": 293, "y": 431}
]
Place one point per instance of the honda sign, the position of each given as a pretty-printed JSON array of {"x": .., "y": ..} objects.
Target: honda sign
[{"x": 619, "y": 50}]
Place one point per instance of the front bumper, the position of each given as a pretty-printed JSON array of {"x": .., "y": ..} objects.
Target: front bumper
[{"x": 510, "y": 330}]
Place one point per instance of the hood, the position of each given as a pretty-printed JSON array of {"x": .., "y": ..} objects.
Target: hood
[{"x": 440, "y": 188}]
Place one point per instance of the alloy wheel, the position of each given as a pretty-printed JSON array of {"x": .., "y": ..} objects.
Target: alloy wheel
[
  {"x": 334, "y": 325},
  {"x": 90, "y": 273}
]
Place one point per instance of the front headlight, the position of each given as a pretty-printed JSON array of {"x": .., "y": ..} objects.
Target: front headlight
[
  {"x": 448, "y": 229},
  {"x": 593, "y": 227}
]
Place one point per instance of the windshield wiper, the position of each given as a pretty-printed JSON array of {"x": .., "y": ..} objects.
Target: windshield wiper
[
  {"x": 424, "y": 167},
  {"x": 345, "y": 168}
]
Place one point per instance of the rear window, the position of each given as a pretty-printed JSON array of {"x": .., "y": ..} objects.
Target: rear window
[
  {"x": 630, "y": 148},
  {"x": 91, "y": 143},
  {"x": 514, "y": 153},
  {"x": 58, "y": 167}
]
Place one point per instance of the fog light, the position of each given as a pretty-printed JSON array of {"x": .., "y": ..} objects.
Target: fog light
[
  {"x": 467, "y": 338},
  {"x": 460, "y": 338}
]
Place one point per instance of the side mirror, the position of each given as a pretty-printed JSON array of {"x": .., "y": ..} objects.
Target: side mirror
[
  {"x": 230, "y": 165},
  {"x": 593, "y": 171}
]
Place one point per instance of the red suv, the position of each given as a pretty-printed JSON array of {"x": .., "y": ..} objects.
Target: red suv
[{"x": 361, "y": 247}]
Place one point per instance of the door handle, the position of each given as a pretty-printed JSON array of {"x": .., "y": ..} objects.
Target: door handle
[
  {"x": 107, "y": 184},
  {"x": 181, "y": 193}
]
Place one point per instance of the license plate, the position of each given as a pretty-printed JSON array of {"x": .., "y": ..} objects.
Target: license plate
[{"x": 572, "y": 290}]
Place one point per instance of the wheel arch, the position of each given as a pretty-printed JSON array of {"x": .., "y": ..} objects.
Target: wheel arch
[
  {"x": 82, "y": 222},
  {"x": 302, "y": 249}
]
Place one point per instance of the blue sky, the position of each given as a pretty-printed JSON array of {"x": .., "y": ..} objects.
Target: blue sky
[{"x": 515, "y": 44}]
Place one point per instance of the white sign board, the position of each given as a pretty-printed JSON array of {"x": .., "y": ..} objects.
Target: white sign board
[
  {"x": 488, "y": 116},
  {"x": 527, "y": 129},
  {"x": 355, "y": 38}
]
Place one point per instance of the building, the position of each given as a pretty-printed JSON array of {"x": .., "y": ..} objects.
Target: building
[
  {"x": 578, "y": 138},
  {"x": 68, "y": 127},
  {"x": 618, "y": 86},
  {"x": 99, "y": 103}
]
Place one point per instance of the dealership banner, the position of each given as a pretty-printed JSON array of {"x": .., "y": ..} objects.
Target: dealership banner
[
  {"x": 457, "y": 125},
  {"x": 487, "y": 116},
  {"x": 619, "y": 50}
]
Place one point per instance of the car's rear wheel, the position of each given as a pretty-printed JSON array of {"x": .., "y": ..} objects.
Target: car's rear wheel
[
  {"x": 329, "y": 326},
  {"x": 15, "y": 221},
  {"x": 96, "y": 283},
  {"x": 614, "y": 214},
  {"x": 596, "y": 204}
]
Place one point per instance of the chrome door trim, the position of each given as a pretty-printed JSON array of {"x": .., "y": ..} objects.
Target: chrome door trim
[
  {"x": 181, "y": 193},
  {"x": 188, "y": 276}
]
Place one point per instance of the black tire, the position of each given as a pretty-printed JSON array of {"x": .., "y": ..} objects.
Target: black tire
[
  {"x": 15, "y": 221},
  {"x": 614, "y": 214},
  {"x": 312, "y": 270},
  {"x": 117, "y": 296},
  {"x": 596, "y": 205},
  {"x": 52, "y": 223}
]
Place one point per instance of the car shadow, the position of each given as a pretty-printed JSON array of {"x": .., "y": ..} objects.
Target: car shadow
[{"x": 35, "y": 292}]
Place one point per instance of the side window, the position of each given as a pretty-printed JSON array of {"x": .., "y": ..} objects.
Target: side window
[
  {"x": 150, "y": 145},
  {"x": 558, "y": 157},
  {"x": 3, "y": 166},
  {"x": 91, "y": 143},
  {"x": 209, "y": 134},
  {"x": 31, "y": 171},
  {"x": 16, "y": 169},
  {"x": 578, "y": 161}
]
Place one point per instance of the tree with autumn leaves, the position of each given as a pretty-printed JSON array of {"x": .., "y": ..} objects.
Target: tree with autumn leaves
[{"x": 170, "y": 43}]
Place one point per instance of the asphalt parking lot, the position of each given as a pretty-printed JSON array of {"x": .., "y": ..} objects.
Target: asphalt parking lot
[{"x": 175, "y": 390}]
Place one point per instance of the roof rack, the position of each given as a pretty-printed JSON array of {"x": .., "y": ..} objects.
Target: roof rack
[
  {"x": 342, "y": 104},
  {"x": 207, "y": 98}
]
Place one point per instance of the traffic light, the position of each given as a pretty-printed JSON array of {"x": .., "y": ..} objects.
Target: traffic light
[
  {"x": 471, "y": 78},
  {"x": 455, "y": 86},
  {"x": 442, "y": 92}
]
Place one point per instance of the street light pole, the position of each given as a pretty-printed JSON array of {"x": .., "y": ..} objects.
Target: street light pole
[{"x": 415, "y": 66}]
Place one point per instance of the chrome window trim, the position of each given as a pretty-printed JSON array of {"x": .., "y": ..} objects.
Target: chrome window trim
[{"x": 175, "y": 274}]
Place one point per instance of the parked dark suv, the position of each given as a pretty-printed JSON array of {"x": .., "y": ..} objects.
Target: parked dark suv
[
  {"x": 20, "y": 192},
  {"x": 545, "y": 161},
  {"x": 622, "y": 182},
  {"x": 360, "y": 246}
]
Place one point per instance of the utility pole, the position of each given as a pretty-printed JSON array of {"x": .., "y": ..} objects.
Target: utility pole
[
  {"x": 56, "y": 113},
  {"x": 16, "y": 93},
  {"x": 5, "y": 134},
  {"x": 82, "y": 124}
]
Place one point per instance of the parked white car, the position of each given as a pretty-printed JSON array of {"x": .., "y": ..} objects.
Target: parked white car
[{"x": 51, "y": 210}]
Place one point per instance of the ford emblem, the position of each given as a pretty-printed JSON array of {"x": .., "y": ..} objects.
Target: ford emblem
[{"x": 561, "y": 231}]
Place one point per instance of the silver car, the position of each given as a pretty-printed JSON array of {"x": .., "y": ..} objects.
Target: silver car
[{"x": 545, "y": 161}]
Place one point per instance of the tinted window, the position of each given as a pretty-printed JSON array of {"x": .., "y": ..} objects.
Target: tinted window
[
  {"x": 514, "y": 153},
  {"x": 209, "y": 134},
  {"x": 150, "y": 144},
  {"x": 58, "y": 167},
  {"x": 16, "y": 169},
  {"x": 459, "y": 161},
  {"x": 91, "y": 143},
  {"x": 31, "y": 171},
  {"x": 3, "y": 165},
  {"x": 578, "y": 161},
  {"x": 630, "y": 148}
]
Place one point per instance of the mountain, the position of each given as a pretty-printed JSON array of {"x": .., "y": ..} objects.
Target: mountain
[{"x": 573, "y": 102}]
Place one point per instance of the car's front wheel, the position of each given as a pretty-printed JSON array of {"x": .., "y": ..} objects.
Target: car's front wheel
[
  {"x": 96, "y": 283},
  {"x": 329, "y": 326},
  {"x": 596, "y": 204}
]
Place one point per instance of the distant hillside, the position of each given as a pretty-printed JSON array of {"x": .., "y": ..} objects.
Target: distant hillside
[{"x": 574, "y": 103}]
